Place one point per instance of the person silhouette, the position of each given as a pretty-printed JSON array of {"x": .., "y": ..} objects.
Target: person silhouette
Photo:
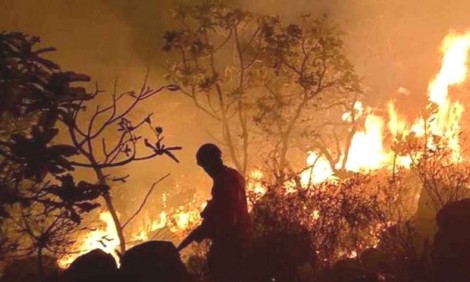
[{"x": 226, "y": 220}]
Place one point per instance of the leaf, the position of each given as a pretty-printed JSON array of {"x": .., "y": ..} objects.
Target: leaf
[
  {"x": 46, "y": 136},
  {"x": 48, "y": 118},
  {"x": 73, "y": 76},
  {"x": 75, "y": 217},
  {"x": 44, "y": 50},
  {"x": 65, "y": 150},
  {"x": 170, "y": 154},
  {"x": 173, "y": 87},
  {"x": 49, "y": 64},
  {"x": 87, "y": 206}
]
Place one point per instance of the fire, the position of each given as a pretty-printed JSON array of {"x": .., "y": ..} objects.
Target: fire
[
  {"x": 105, "y": 239},
  {"x": 255, "y": 184},
  {"x": 320, "y": 170},
  {"x": 179, "y": 222},
  {"x": 370, "y": 141},
  {"x": 183, "y": 220},
  {"x": 454, "y": 67},
  {"x": 445, "y": 122},
  {"x": 369, "y": 150},
  {"x": 396, "y": 124}
]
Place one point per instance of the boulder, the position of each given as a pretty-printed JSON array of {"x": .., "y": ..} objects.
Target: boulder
[
  {"x": 26, "y": 270},
  {"x": 153, "y": 261},
  {"x": 451, "y": 252},
  {"x": 95, "y": 265},
  {"x": 350, "y": 270}
]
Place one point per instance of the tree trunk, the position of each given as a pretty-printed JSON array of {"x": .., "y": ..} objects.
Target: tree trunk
[
  {"x": 283, "y": 159},
  {"x": 40, "y": 265},
  {"x": 109, "y": 204}
]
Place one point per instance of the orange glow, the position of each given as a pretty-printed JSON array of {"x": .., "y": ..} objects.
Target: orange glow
[
  {"x": 319, "y": 170},
  {"x": 369, "y": 150},
  {"x": 366, "y": 151},
  {"x": 104, "y": 238}
]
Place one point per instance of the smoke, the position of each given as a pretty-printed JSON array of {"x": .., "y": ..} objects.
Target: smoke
[
  {"x": 393, "y": 44},
  {"x": 390, "y": 42}
]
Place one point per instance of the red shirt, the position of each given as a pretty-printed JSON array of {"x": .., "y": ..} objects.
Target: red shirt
[{"x": 226, "y": 214}]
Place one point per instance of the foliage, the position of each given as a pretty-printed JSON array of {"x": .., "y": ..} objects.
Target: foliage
[
  {"x": 252, "y": 72},
  {"x": 339, "y": 219},
  {"x": 309, "y": 85},
  {"x": 216, "y": 51},
  {"x": 40, "y": 201},
  {"x": 90, "y": 131}
]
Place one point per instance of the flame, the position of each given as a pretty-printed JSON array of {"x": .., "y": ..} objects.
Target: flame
[
  {"x": 184, "y": 220},
  {"x": 368, "y": 151},
  {"x": 320, "y": 170},
  {"x": 446, "y": 121},
  {"x": 105, "y": 239},
  {"x": 255, "y": 183},
  {"x": 454, "y": 67},
  {"x": 396, "y": 124}
]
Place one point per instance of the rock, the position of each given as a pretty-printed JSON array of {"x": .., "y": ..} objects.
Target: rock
[
  {"x": 278, "y": 256},
  {"x": 26, "y": 270},
  {"x": 451, "y": 252},
  {"x": 153, "y": 261},
  {"x": 95, "y": 265},
  {"x": 375, "y": 261}
]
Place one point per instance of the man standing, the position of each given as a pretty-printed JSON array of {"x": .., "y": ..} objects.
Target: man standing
[{"x": 225, "y": 218}]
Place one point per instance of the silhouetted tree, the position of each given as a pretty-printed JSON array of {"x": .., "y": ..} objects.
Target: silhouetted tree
[
  {"x": 309, "y": 85},
  {"x": 89, "y": 134},
  {"x": 41, "y": 203},
  {"x": 241, "y": 68},
  {"x": 217, "y": 52}
]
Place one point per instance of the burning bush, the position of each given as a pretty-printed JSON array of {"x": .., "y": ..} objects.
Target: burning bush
[{"x": 339, "y": 218}]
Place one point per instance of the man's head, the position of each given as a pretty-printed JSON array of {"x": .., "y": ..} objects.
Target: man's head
[{"x": 209, "y": 157}]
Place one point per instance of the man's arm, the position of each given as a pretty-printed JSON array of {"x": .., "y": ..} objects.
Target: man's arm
[{"x": 195, "y": 235}]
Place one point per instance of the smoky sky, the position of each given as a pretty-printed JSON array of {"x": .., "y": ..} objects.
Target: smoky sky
[{"x": 392, "y": 43}]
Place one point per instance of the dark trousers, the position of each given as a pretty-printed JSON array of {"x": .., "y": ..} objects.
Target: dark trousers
[{"x": 225, "y": 260}]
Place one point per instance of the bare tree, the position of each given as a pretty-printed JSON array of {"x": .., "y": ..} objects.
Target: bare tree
[{"x": 89, "y": 134}]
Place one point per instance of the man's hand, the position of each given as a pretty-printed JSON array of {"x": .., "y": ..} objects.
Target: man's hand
[
  {"x": 184, "y": 243},
  {"x": 195, "y": 235}
]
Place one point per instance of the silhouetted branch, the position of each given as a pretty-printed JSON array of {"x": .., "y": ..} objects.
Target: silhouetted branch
[{"x": 145, "y": 200}]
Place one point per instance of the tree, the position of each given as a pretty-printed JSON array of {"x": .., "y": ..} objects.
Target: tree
[
  {"x": 217, "y": 52},
  {"x": 89, "y": 135},
  {"x": 310, "y": 84},
  {"x": 243, "y": 69},
  {"x": 41, "y": 203},
  {"x": 40, "y": 198}
]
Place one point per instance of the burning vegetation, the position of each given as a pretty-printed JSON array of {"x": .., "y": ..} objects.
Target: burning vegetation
[{"x": 337, "y": 189}]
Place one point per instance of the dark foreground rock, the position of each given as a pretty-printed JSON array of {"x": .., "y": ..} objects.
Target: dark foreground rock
[
  {"x": 451, "y": 255},
  {"x": 26, "y": 270},
  {"x": 153, "y": 261},
  {"x": 92, "y": 266}
]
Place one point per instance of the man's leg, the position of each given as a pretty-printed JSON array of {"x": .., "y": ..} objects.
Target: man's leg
[{"x": 224, "y": 261}]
